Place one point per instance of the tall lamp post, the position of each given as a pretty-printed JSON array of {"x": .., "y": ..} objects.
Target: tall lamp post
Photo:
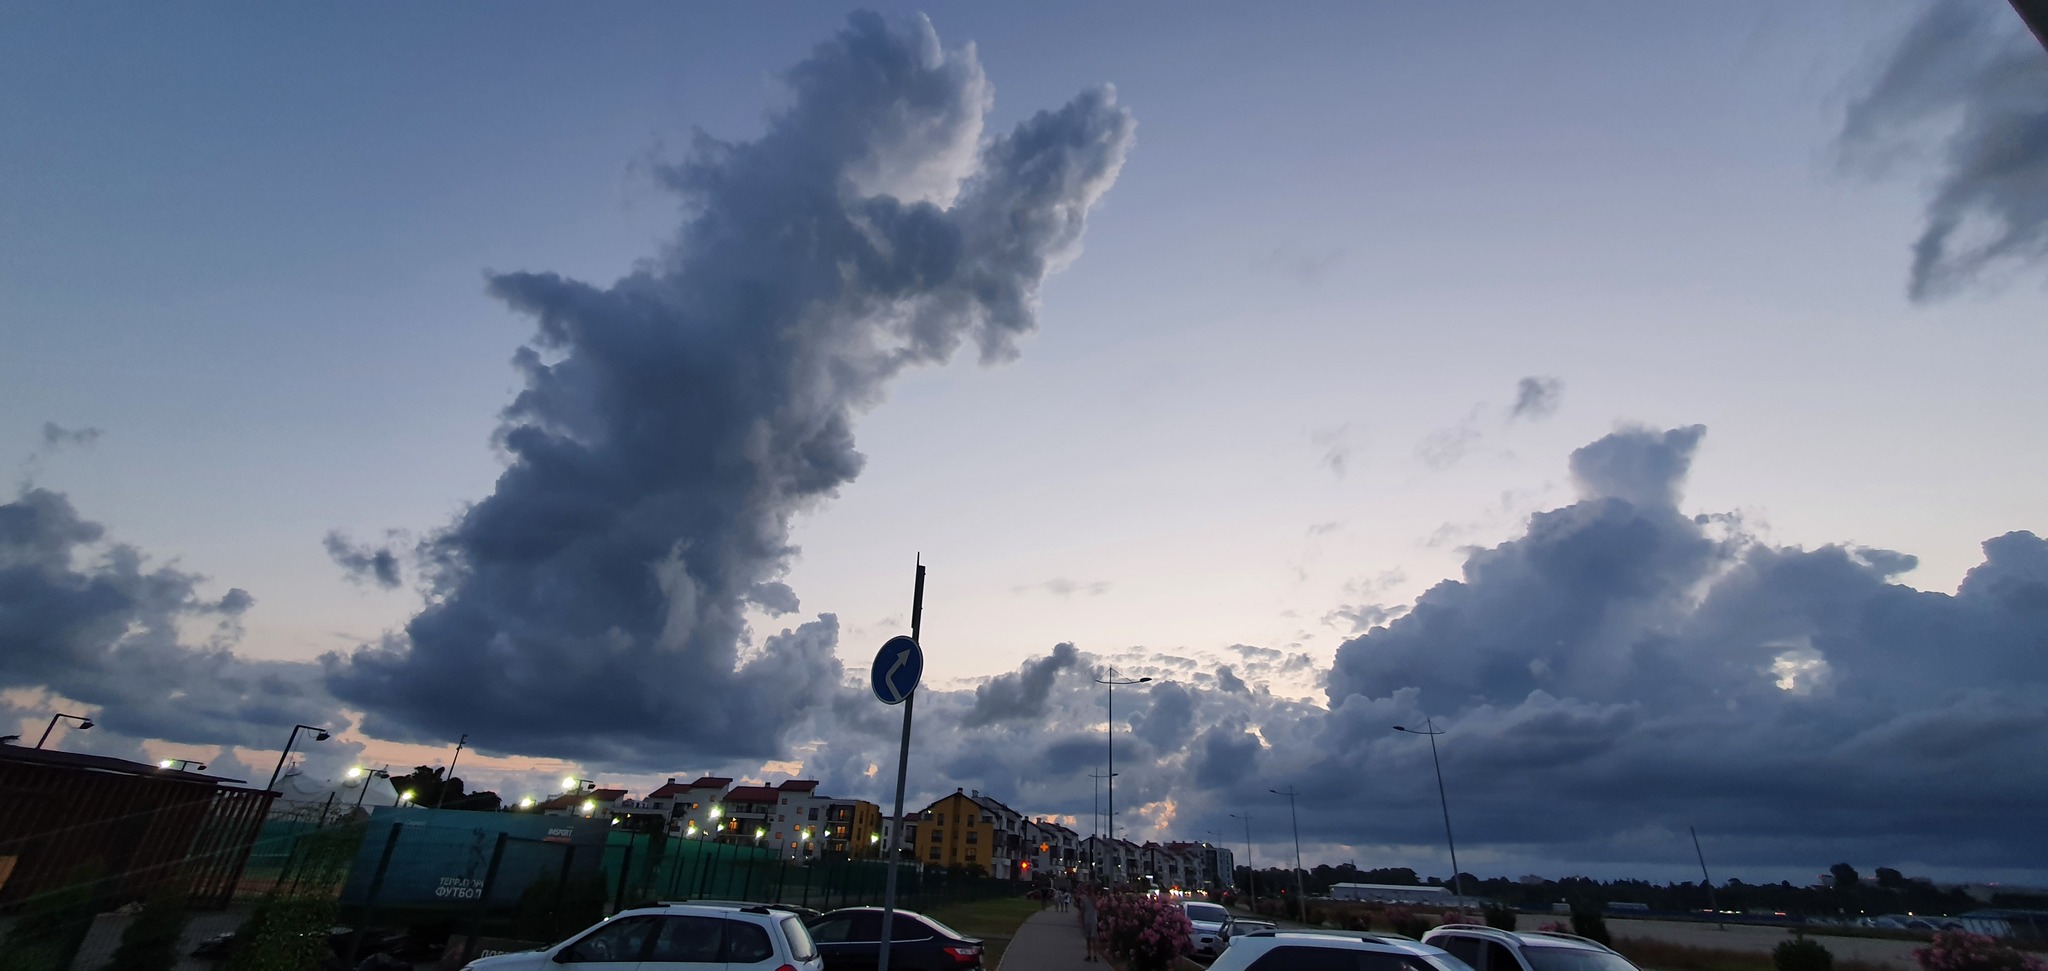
[
  {"x": 1429, "y": 728},
  {"x": 363, "y": 787},
  {"x": 1301, "y": 896},
  {"x": 441, "y": 795},
  {"x": 1251, "y": 872},
  {"x": 84, "y": 724},
  {"x": 319, "y": 735},
  {"x": 1109, "y": 727},
  {"x": 182, "y": 765}
]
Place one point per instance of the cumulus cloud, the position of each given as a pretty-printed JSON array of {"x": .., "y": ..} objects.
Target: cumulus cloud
[
  {"x": 1622, "y": 669},
  {"x": 362, "y": 562},
  {"x": 674, "y": 423},
  {"x": 1967, "y": 84},
  {"x": 1022, "y": 693},
  {"x": 93, "y": 621},
  {"x": 1536, "y": 397}
]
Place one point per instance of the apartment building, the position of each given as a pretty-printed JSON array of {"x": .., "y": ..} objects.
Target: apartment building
[{"x": 957, "y": 830}]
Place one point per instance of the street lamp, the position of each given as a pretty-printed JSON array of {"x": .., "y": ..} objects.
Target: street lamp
[
  {"x": 320, "y": 735},
  {"x": 182, "y": 765},
  {"x": 403, "y": 798},
  {"x": 572, "y": 784},
  {"x": 1251, "y": 872},
  {"x": 363, "y": 787},
  {"x": 1430, "y": 729},
  {"x": 84, "y": 724},
  {"x": 1301, "y": 896},
  {"x": 1109, "y": 729}
]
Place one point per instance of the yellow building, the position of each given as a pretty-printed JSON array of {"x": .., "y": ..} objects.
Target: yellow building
[
  {"x": 853, "y": 827},
  {"x": 955, "y": 831}
]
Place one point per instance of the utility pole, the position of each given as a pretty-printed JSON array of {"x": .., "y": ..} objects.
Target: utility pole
[
  {"x": 1109, "y": 726},
  {"x": 441, "y": 795},
  {"x": 1251, "y": 873},
  {"x": 1300, "y": 895},
  {"x": 1709, "y": 881},
  {"x": 902, "y": 770}
]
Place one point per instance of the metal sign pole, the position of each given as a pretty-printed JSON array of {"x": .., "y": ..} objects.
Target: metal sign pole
[{"x": 902, "y": 772}]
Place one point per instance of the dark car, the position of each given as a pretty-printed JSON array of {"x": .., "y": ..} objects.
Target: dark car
[{"x": 851, "y": 940}]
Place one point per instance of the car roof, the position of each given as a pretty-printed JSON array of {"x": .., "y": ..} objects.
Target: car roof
[
  {"x": 1524, "y": 938},
  {"x": 1364, "y": 940},
  {"x": 709, "y": 909}
]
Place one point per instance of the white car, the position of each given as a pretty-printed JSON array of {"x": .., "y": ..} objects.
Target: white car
[
  {"x": 1492, "y": 949},
  {"x": 1208, "y": 921},
  {"x": 678, "y": 937},
  {"x": 1332, "y": 951}
]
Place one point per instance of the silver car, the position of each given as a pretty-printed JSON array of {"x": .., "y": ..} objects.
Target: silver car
[
  {"x": 678, "y": 937},
  {"x": 1492, "y": 949},
  {"x": 1210, "y": 921}
]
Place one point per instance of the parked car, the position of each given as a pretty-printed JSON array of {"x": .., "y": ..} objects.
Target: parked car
[
  {"x": 1332, "y": 951},
  {"x": 1209, "y": 922},
  {"x": 1241, "y": 926},
  {"x": 809, "y": 914},
  {"x": 1492, "y": 949},
  {"x": 678, "y": 937},
  {"x": 851, "y": 940}
]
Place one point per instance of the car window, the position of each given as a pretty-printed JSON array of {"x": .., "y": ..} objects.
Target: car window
[
  {"x": 617, "y": 941},
  {"x": 832, "y": 930},
  {"x": 1465, "y": 949},
  {"x": 1446, "y": 962},
  {"x": 1207, "y": 912},
  {"x": 867, "y": 926},
  {"x": 1499, "y": 958},
  {"x": 800, "y": 946},
  {"x": 746, "y": 942},
  {"x": 1574, "y": 959},
  {"x": 930, "y": 927},
  {"x": 1297, "y": 957},
  {"x": 686, "y": 939},
  {"x": 1383, "y": 961}
]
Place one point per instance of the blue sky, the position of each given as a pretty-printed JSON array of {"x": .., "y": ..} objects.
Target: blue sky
[{"x": 250, "y": 244}]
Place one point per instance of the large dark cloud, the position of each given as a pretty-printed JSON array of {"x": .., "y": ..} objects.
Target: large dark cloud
[
  {"x": 94, "y": 622},
  {"x": 674, "y": 423},
  {"x": 1968, "y": 82}
]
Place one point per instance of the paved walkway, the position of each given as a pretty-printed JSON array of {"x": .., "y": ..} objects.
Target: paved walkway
[{"x": 1049, "y": 941}]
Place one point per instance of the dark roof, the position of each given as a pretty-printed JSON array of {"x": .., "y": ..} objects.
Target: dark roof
[
  {"x": 799, "y": 785},
  {"x": 104, "y": 763},
  {"x": 570, "y": 800},
  {"x": 751, "y": 794},
  {"x": 672, "y": 787}
]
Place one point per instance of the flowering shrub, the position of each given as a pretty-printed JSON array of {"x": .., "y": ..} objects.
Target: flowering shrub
[
  {"x": 1964, "y": 951},
  {"x": 1802, "y": 954},
  {"x": 1150, "y": 932},
  {"x": 1406, "y": 922}
]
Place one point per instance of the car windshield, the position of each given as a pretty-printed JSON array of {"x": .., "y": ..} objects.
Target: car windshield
[
  {"x": 1575, "y": 959},
  {"x": 1208, "y": 912}
]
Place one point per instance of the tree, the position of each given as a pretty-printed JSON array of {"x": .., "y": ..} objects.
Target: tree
[
  {"x": 1889, "y": 878},
  {"x": 426, "y": 785},
  {"x": 1845, "y": 876}
]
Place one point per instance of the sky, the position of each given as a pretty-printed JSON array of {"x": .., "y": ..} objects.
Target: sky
[{"x": 1648, "y": 396}]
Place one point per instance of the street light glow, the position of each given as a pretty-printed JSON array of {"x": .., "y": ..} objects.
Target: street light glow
[
  {"x": 164, "y": 764},
  {"x": 717, "y": 811},
  {"x": 568, "y": 782},
  {"x": 405, "y": 796},
  {"x": 526, "y": 802},
  {"x": 354, "y": 772}
]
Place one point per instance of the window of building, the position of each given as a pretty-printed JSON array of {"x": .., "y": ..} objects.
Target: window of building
[
  {"x": 935, "y": 853},
  {"x": 973, "y": 837},
  {"x": 970, "y": 856},
  {"x": 814, "y": 813}
]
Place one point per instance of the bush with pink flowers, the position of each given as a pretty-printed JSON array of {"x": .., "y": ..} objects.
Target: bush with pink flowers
[
  {"x": 1964, "y": 951},
  {"x": 1149, "y": 931}
]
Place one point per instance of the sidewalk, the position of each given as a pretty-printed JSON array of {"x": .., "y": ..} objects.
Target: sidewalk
[{"x": 1049, "y": 941}]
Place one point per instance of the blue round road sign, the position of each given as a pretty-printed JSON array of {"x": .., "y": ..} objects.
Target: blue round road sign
[{"x": 899, "y": 665}]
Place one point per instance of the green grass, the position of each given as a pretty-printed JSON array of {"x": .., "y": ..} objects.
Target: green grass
[{"x": 994, "y": 921}]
